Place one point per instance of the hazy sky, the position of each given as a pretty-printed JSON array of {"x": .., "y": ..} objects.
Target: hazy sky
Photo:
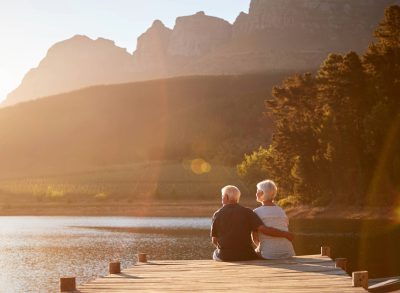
[{"x": 29, "y": 27}]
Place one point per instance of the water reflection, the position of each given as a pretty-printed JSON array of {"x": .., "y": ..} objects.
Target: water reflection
[
  {"x": 36, "y": 251},
  {"x": 370, "y": 245}
]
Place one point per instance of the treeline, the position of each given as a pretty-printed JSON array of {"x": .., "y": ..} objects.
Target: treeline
[{"x": 337, "y": 132}]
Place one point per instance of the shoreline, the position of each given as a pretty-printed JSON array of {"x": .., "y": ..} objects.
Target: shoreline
[{"x": 201, "y": 208}]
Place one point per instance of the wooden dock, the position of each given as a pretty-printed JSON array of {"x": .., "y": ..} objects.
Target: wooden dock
[{"x": 309, "y": 273}]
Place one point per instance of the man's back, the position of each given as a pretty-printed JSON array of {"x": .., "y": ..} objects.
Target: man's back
[{"x": 232, "y": 225}]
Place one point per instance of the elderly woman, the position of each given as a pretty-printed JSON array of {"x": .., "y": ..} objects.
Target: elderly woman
[{"x": 273, "y": 216}]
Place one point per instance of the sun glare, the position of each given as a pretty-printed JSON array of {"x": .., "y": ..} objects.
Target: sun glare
[{"x": 200, "y": 166}]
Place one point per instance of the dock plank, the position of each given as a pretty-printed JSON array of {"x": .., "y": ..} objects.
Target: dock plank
[{"x": 311, "y": 273}]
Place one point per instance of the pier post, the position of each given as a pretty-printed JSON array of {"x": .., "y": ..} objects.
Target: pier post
[
  {"x": 326, "y": 251},
  {"x": 360, "y": 279},
  {"x": 67, "y": 284},
  {"x": 142, "y": 257},
  {"x": 341, "y": 263},
  {"x": 114, "y": 267}
]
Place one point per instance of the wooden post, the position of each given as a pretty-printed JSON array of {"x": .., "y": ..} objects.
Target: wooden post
[
  {"x": 341, "y": 263},
  {"x": 114, "y": 267},
  {"x": 142, "y": 257},
  {"x": 67, "y": 284},
  {"x": 360, "y": 279},
  {"x": 326, "y": 251}
]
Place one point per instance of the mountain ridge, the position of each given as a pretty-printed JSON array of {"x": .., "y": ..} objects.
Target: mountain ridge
[{"x": 272, "y": 36}]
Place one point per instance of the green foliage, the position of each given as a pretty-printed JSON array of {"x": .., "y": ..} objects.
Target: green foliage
[
  {"x": 336, "y": 137},
  {"x": 255, "y": 166},
  {"x": 290, "y": 201}
]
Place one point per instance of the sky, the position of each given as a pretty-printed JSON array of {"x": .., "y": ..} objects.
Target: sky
[{"x": 28, "y": 28}]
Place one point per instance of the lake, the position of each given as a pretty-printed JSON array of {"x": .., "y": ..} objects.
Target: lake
[{"x": 36, "y": 251}]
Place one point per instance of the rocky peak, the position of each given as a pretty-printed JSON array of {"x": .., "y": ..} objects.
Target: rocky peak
[
  {"x": 197, "y": 34},
  {"x": 313, "y": 24},
  {"x": 151, "y": 48},
  {"x": 76, "y": 46},
  {"x": 158, "y": 24},
  {"x": 72, "y": 64},
  {"x": 155, "y": 39}
]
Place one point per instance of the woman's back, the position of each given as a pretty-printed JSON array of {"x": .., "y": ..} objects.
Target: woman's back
[{"x": 274, "y": 247}]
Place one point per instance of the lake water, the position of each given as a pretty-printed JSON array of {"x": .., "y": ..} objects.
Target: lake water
[{"x": 36, "y": 251}]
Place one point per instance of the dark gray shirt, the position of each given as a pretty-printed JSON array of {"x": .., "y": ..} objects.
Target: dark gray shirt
[{"x": 232, "y": 225}]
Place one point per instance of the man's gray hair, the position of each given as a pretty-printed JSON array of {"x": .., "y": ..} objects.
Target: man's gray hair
[
  {"x": 269, "y": 189},
  {"x": 231, "y": 191}
]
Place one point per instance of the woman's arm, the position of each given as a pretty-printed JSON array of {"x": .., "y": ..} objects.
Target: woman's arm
[
  {"x": 275, "y": 232},
  {"x": 254, "y": 237},
  {"x": 214, "y": 241}
]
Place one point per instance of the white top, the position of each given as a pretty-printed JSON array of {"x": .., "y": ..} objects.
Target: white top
[{"x": 274, "y": 247}]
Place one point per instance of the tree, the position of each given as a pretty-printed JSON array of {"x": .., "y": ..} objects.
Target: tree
[
  {"x": 343, "y": 100},
  {"x": 382, "y": 62},
  {"x": 336, "y": 136}
]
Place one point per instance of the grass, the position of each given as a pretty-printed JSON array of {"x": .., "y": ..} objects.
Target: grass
[{"x": 160, "y": 180}]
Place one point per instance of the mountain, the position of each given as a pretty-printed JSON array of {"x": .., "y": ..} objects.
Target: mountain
[
  {"x": 274, "y": 35},
  {"x": 150, "y": 55},
  {"x": 293, "y": 35},
  {"x": 72, "y": 64},
  {"x": 214, "y": 118}
]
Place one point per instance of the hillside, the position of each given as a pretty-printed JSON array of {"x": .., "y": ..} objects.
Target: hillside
[
  {"x": 271, "y": 36},
  {"x": 214, "y": 118}
]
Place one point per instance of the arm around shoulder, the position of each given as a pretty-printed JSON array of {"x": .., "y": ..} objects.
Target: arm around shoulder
[{"x": 275, "y": 232}]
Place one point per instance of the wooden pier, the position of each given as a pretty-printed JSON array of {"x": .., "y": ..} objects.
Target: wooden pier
[{"x": 309, "y": 273}]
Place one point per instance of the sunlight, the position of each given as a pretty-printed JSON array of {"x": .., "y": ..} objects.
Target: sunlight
[
  {"x": 397, "y": 214},
  {"x": 386, "y": 157},
  {"x": 374, "y": 195},
  {"x": 120, "y": 122}
]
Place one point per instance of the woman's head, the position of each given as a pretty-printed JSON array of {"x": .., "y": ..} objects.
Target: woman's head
[{"x": 266, "y": 190}]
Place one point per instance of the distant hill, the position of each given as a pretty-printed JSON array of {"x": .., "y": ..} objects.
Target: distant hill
[
  {"x": 214, "y": 118},
  {"x": 273, "y": 36}
]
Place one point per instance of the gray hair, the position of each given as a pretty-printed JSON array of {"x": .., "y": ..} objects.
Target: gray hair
[
  {"x": 231, "y": 191},
  {"x": 269, "y": 189}
]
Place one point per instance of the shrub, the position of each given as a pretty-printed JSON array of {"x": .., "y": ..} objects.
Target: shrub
[
  {"x": 101, "y": 196},
  {"x": 54, "y": 194},
  {"x": 289, "y": 201}
]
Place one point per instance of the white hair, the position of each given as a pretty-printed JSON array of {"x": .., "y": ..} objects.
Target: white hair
[
  {"x": 269, "y": 189},
  {"x": 232, "y": 192}
]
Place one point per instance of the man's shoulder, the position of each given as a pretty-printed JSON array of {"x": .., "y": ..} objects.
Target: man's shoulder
[
  {"x": 236, "y": 208},
  {"x": 246, "y": 209},
  {"x": 217, "y": 212}
]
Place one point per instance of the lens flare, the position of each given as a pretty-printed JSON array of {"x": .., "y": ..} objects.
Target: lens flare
[
  {"x": 200, "y": 166},
  {"x": 397, "y": 214}
]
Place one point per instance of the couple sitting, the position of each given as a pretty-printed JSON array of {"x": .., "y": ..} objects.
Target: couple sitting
[{"x": 235, "y": 229}]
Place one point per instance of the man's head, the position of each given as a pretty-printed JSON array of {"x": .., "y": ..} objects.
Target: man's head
[{"x": 230, "y": 194}]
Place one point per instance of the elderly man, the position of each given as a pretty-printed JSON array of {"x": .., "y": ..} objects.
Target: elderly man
[{"x": 232, "y": 226}]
